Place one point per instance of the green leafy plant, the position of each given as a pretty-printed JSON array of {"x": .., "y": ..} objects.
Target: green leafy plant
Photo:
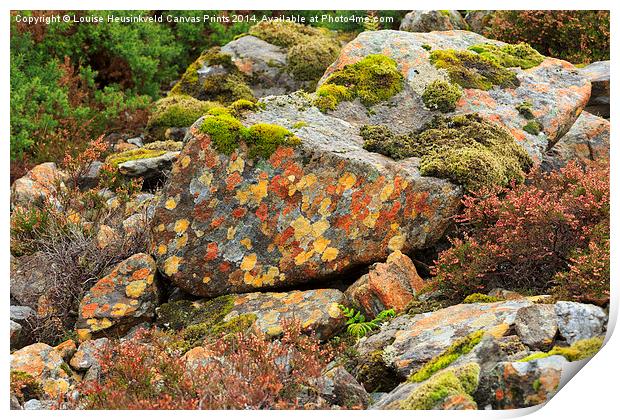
[{"x": 357, "y": 325}]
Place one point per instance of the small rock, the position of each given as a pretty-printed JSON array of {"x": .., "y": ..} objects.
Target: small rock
[
  {"x": 149, "y": 167},
  {"x": 478, "y": 20},
  {"x": 525, "y": 384},
  {"x": 432, "y": 20},
  {"x": 122, "y": 299},
  {"x": 339, "y": 387},
  {"x": 136, "y": 141},
  {"x": 577, "y": 321},
  {"x": 389, "y": 285},
  {"x": 15, "y": 337},
  {"x": 31, "y": 277},
  {"x": 599, "y": 75},
  {"x": 85, "y": 358},
  {"x": 123, "y": 146},
  {"x": 91, "y": 178},
  {"x": 66, "y": 349},
  {"x": 135, "y": 224},
  {"x": 33, "y": 405},
  {"x": 175, "y": 133},
  {"x": 106, "y": 236},
  {"x": 39, "y": 184},
  {"x": 537, "y": 326}
]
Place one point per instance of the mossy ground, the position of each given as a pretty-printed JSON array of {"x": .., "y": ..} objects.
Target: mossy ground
[
  {"x": 373, "y": 79},
  {"x": 533, "y": 127},
  {"x": 461, "y": 381},
  {"x": 446, "y": 358},
  {"x": 581, "y": 349},
  {"x": 263, "y": 139},
  {"x": 464, "y": 149},
  {"x": 225, "y": 84},
  {"x": 441, "y": 95},
  {"x": 510, "y": 55}
]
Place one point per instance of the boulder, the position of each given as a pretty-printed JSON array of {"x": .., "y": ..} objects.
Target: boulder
[
  {"x": 15, "y": 335},
  {"x": 537, "y": 326},
  {"x": 478, "y": 20},
  {"x": 432, "y": 20},
  {"x": 599, "y": 75},
  {"x": 577, "y": 321},
  {"x": 525, "y": 384},
  {"x": 389, "y": 285},
  {"x": 85, "y": 358},
  {"x": 30, "y": 278},
  {"x": 90, "y": 178},
  {"x": 46, "y": 365},
  {"x": 38, "y": 185},
  {"x": 555, "y": 89},
  {"x": 125, "y": 297},
  {"x": 316, "y": 310},
  {"x": 408, "y": 342},
  {"x": 587, "y": 140},
  {"x": 236, "y": 224}
]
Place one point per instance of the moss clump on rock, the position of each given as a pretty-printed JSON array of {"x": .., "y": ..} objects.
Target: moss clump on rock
[
  {"x": 134, "y": 154},
  {"x": 374, "y": 374},
  {"x": 221, "y": 81},
  {"x": 464, "y": 149},
  {"x": 283, "y": 34},
  {"x": 461, "y": 381},
  {"x": 373, "y": 79},
  {"x": 241, "y": 105},
  {"x": 473, "y": 71},
  {"x": 581, "y": 349},
  {"x": 168, "y": 145},
  {"x": 195, "y": 334},
  {"x": 481, "y": 298},
  {"x": 441, "y": 95},
  {"x": 177, "y": 111},
  {"x": 533, "y": 127},
  {"x": 459, "y": 348},
  {"x": 518, "y": 55},
  {"x": 263, "y": 139},
  {"x": 525, "y": 109},
  {"x": 183, "y": 313}
]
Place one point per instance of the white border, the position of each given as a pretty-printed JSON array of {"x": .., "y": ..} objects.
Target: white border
[{"x": 591, "y": 394}]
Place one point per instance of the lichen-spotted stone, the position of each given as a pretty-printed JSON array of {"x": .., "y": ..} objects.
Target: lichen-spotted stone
[{"x": 306, "y": 213}]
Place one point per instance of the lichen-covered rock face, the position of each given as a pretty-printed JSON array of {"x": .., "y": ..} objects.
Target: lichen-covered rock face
[
  {"x": 432, "y": 20},
  {"x": 525, "y": 384},
  {"x": 229, "y": 223},
  {"x": 599, "y": 75},
  {"x": 577, "y": 321},
  {"x": 40, "y": 183},
  {"x": 537, "y": 326},
  {"x": 389, "y": 285},
  {"x": 46, "y": 365},
  {"x": 408, "y": 342},
  {"x": 339, "y": 387},
  {"x": 124, "y": 298},
  {"x": 556, "y": 90},
  {"x": 587, "y": 140},
  {"x": 316, "y": 310}
]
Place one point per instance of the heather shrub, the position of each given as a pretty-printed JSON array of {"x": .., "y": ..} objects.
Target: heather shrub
[
  {"x": 579, "y": 36},
  {"x": 238, "y": 371},
  {"x": 522, "y": 237}
]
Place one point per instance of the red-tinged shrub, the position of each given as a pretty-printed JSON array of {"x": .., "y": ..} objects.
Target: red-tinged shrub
[
  {"x": 235, "y": 371},
  {"x": 579, "y": 36},
  {"x": 520, "y": 237}
]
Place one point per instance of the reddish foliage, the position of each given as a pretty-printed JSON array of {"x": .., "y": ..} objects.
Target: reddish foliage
[
  {"x": 236, "y": 371},
  {"x": 521, "y": 237},
  {"x": 574, "y": 35}
]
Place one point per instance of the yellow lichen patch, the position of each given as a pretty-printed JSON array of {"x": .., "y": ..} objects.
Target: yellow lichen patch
[
  {"x": 162, "y": 249},
  {"x": 274, "y": 330},
  {"x": 302, "y": 257},
  {"x": 499, "y": 331},
  {"x": 74, "y": 218},
  {"x": 206, "y": 178},
  {"x": 83, "y": 334},
  {"x": 98, "y": 324},
  {"x": 248, "y": 263},
  {"x": 55, "y": 387},
  {"x": 259, "y": 191},
  {"x": 396, "y": 242},
  {"x": 206, "y": 279},
  {"x": 347, "y": 180},
  {"x": 320, "y": 244},
  {"x": 185, "y": 161},
  {"x": 268, "y": 278},
  {"x": 170, "y": 204},
  {"x": 119, "y": 309},
  {"x": 371, "y": 219},
  {"x": 334, "y": 311},
  {"x": 180, "y": 226},
  {"x": 246, "y": 242},
  {"x": 230, "y": 233},
  {"x": 181, "y": 241},
  {"x": 306, "y": 181},
  {"x": 319, "y": 227},
  {"x": 160, "y": 227},
  {"x": 171, "y": 265},
  {"x": 302, "y": 227},
  {"x": 330, "y": 254},
  {"x": 386, "y": 192},
  {"x": 325, "y": 203},
  {"x": 236, "y": 165},
  {"x": 135, "y": 289}
]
